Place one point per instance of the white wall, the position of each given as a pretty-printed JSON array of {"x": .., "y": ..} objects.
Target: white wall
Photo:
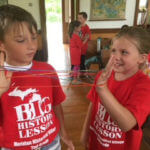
[
  {"x": 31, "y": 6},
  {"x": 130, "y": 10}
]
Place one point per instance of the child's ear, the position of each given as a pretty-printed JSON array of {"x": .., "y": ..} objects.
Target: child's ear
[
  {"x": 143, "y": 58},
  {"x": 2, "y": 47}
]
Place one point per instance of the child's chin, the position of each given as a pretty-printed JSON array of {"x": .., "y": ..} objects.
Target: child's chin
[{"x": 119, "y": 70}]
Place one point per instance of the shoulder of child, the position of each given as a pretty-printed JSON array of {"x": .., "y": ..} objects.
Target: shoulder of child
[
  {"x": 86, "y": 25},
  {"x": 142, "y": 80},
  {"x": 75, "y": 36}
]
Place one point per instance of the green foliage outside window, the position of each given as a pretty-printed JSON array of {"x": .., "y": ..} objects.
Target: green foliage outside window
[{"x": 53, "y": 10}]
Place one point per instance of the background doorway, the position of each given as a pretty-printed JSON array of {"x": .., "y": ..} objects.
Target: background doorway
[
  {"x": 55, "y": 17},
  {"x": 54, "y": 33}
]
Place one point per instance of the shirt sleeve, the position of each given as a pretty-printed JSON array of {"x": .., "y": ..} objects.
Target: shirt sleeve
[
  {"x": 139, "y": 102},
  {"x": 89, "y": 32},
  {"x": 57, "y": 92}
]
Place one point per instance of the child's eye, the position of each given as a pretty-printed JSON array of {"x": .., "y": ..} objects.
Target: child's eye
[
  {"x": 113, "y": 51},
  {"x": 124, "y": 52},
  {"x": 34, "y": 37}
]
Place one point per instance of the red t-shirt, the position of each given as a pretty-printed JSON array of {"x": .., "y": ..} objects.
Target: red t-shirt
[
  {"x": 75, "y": 49},
  {"x": 132, "y": 93},
  {"x": 28, "y": 119},
  {"x": 85, "y": 30}
]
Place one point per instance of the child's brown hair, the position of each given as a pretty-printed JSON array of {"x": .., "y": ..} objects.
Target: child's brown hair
[
  {"x": 73, "y": 24},
  {"x": 84, "y": 14},
  {"x": 13, "y": 15}
]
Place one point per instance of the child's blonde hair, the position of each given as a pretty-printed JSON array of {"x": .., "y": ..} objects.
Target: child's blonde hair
[{"x": 138, "y": 35}]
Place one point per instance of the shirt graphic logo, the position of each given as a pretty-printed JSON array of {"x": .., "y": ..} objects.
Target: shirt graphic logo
[
  {"x": 34, "y": 116},
  {"x": 22, "y": 94},
  {"x": 106, "y": 130}
]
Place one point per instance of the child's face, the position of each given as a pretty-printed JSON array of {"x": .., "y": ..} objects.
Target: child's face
[
  {"x": 127, "y": 56},
  {"x": 81, "y": 19},
  {"x": 20, "y": 45},
  {"x": 78, "y": 29}
]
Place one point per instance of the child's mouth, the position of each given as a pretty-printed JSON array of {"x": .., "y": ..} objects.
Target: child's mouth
[
  {"x": 31, "y": 54},
  {"x": 118, "y": 64}
]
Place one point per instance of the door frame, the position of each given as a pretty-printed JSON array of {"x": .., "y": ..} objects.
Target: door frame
[
  {"x": 74, "y": 12},
  {"x": 64, "y": 24},
  {"x": 43, "y": 29}
]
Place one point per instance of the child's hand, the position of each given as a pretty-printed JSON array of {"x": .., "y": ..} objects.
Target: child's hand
[
  {"x": 84, "y": 139},
  {"x": 85, "y": 143},
  {"x": 68, "y": 142},
  {"x": 86, "y": 36},
  {"x": 102, "y": 81},
  {"x": 5, "y": 79},
  {"x": 85, "y": 39}
]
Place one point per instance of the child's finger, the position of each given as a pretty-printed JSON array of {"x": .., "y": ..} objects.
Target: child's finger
[
  {"x": 2, "y": 58},
  {"x": 9, "y": 75},
  {"x": 108, "y": 69},
  {"x": 110, "y": 63}
]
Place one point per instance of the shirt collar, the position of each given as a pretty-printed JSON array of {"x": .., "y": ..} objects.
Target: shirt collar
[{"x": 17, "y": 68}]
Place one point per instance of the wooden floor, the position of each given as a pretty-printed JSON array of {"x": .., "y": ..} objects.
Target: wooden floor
[{"x": 75, "y": 108}]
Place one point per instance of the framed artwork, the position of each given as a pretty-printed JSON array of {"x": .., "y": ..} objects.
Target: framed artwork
[
  {"x": 107, "y": 10},
  {"x": 3, "y": 2}
]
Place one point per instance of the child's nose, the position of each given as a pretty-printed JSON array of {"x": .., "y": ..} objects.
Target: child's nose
[
  {"x": 32, "y": 44},
  {"x": 117, "y": 56}
]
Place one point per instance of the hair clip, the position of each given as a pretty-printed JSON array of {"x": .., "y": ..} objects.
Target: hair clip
[{"x": 147, "y": 63}]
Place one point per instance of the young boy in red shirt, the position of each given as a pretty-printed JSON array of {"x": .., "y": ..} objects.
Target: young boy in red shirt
[
  {"x": 31, "y": 115},
  {"x": 85, "y": 32}
]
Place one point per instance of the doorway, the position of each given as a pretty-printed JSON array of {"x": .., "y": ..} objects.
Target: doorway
[
  {"x": 55, "y": 18},
  {"x": 54, "y": 33}
]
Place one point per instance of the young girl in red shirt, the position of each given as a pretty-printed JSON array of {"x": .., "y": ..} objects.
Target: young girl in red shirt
[
  {"x": 75, "y": 48},
  {"x": 120, "y": 97},
  {"x": 31, "y": 115}
]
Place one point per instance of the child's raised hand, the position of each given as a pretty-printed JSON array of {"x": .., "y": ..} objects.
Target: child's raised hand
[
  {"x": 5, "y": 78},
  {"x": 102, "y": 81}
]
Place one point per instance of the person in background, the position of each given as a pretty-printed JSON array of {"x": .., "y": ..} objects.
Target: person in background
[
  {"x": 31, "y": 115},
  {"x": 76, "y": 45},
  {"x": 85, "y": 32},
  {"x": 120, "y": 97}
]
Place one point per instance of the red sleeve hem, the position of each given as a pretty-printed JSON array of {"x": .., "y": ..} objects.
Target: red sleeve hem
[{"x": 60, "y": 100}]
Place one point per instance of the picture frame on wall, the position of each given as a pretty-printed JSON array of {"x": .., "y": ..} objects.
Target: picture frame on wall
[
  {"x": 107, "y": 10},
  {"x": 3, "y": 2}
]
